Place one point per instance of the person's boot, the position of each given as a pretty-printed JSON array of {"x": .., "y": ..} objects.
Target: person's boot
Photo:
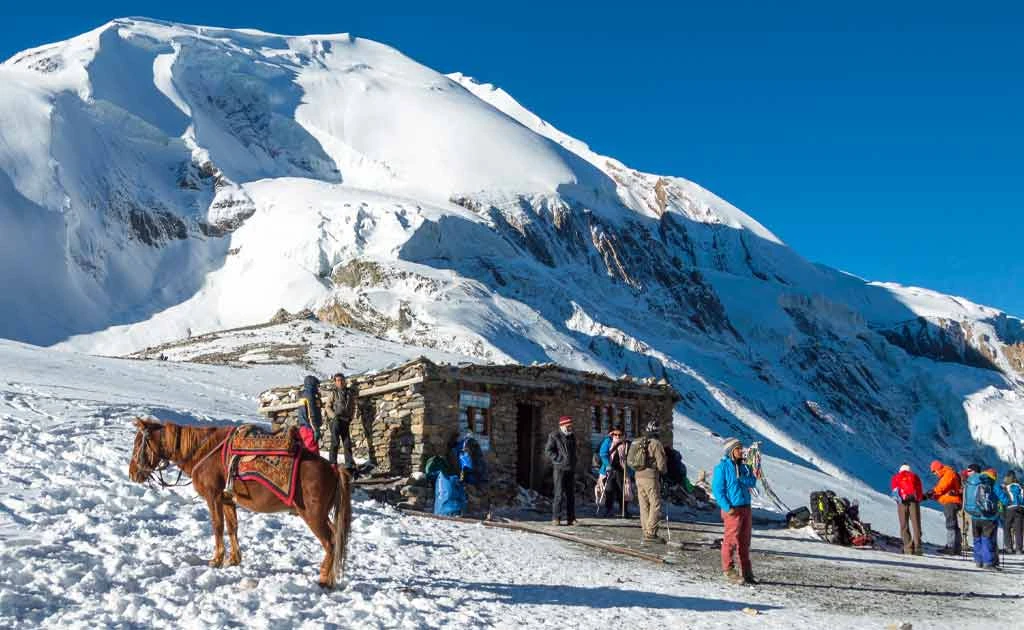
[
  {"x": 748, "y": 578},
  {"x": 653, "y": 540},
  {"x": 733, "y": 576}
]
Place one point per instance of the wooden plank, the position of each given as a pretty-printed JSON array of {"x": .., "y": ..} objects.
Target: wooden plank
[
  {"x": 280, "y": 407},
  {"x": 380, "y": 389},
  {"x": 559, "y": 382},
  {"x": 536, "y": 530}
]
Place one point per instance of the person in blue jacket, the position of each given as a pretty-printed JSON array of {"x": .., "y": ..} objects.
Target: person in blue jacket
[
  {"x": 610, "y": 452},
  {"x": 731, "y": 486},
  {"x": 982, "y": 496}
]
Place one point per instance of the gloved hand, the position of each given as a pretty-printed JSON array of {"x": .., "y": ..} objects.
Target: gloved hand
[{"x": 929, "y": 496}]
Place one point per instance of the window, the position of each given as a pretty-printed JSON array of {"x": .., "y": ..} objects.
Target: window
[{"x": 475, "y": 416}]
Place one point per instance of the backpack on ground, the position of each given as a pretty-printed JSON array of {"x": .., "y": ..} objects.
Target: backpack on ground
[
  {"x": 823, "y": 507},
  {"x": 434, "y": 466},
  {"x": 449, "y": 495},
  {"x": 798, "y": 518},
  {"x": 637, "y": 456},
  {"x": 980, "y": 498},
  {"x": 828, "y": 517}
]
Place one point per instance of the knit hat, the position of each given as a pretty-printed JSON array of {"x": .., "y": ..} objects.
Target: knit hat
[
  {"x": 730, "y": 444},
  {"x": 905, "y": 468},
  {"x": 565, "y": 421},
  {"x": 974, "y": 468},
  {"x": 936, "y": 466}
]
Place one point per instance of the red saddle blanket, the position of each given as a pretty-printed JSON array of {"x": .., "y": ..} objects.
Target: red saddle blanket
[{"x": 270, "y": 459}]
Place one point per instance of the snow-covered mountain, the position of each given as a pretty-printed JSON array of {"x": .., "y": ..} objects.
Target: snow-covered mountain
[{"x": 159, "y": 181}]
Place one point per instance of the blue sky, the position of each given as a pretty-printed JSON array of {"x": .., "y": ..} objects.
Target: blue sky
[{"x": 885, "y": 140}]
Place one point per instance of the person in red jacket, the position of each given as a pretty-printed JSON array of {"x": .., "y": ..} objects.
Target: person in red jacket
[{"x": 907, "y": 490}]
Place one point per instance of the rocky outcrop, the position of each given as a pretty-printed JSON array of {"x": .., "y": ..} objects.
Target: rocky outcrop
[{"x": 940, "y": 339}]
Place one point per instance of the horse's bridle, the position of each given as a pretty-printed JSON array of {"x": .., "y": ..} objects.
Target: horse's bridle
[{"x": 156, "y": 473}]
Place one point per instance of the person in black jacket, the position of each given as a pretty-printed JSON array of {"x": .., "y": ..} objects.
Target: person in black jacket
[
  {"x": 339, "y": 404},
  {"x": 561, "y": 450}
]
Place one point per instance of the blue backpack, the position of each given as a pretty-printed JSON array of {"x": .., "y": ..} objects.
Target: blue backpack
[
  {"x": 449, "y": 495},
  {"x": 471, "y": 461},
  {"x": 980, "y": 498},
  {"x": 1016, "y": 494}
]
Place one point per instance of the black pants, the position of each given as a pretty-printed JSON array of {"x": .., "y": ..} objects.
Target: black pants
[
  {"x": 565, "y": 490},
  {"x": 952, "y": 514},
  {"x": 1013, "y": 530},
  {"x": 340, "y": 431},
  {"x": 613, "y": 491}
]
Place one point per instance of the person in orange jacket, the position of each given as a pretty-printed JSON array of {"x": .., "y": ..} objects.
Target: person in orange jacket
[{"x": 948, "y": 491}]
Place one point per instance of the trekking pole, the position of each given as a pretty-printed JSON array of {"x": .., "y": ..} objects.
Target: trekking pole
[
  {"x": 963, "y": 534},
  {"x": 625, "y": 480}
]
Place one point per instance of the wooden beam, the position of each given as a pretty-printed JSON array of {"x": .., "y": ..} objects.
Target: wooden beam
[
  {"x": 380, "y": 389},
  {"x": 542, "y": 382},
  {"x": 280, "y": 407}
]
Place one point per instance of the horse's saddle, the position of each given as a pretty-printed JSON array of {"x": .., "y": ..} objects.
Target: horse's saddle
[
  {"x": 252, "y": 440},
  {"x": 268, "y": 458}
]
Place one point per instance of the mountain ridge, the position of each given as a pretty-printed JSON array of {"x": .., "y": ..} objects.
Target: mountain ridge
[{"x": 234, "y": 173}]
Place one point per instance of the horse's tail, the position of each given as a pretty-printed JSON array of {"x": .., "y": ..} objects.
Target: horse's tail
[{"x": 342, "y": 521}]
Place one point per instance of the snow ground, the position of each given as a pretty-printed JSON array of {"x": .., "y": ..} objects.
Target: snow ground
[{"x": 82, "y": 547}]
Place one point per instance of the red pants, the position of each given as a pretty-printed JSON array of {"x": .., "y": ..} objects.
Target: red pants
[
  {"x": 306, "y": 434},
  {"x": 738, "y": 527}
]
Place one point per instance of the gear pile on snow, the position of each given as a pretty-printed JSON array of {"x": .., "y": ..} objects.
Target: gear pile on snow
[{"x": 837, "y": 520}]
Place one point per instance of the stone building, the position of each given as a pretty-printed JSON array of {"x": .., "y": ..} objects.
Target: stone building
[{"x": 409, "y": 413}]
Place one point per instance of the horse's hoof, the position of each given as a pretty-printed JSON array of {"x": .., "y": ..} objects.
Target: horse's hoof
[
  {"x": 327, "y": 586},
  {"x": 234, "y": 562},
  {"x": 216, "y": 563}
]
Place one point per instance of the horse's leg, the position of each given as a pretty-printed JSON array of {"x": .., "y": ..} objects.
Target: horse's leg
[
  {"x": 217, "y": 517},
  {"x": 320, "y": 525},
  {"x": 231, "y": 519}
]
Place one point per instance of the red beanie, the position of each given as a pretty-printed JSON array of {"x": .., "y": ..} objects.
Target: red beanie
[
  {"x": 565, "y": 421},
  {"x": 936, "y": 466}
]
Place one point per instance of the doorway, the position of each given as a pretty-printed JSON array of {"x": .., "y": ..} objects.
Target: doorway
[{"x": 527, "y": 446}]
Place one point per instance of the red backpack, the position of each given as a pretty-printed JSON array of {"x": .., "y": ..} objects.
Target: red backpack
[{"x": 908, "y": 485}]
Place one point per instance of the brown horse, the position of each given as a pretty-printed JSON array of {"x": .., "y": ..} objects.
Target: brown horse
[{"x": 196, "y": 451}]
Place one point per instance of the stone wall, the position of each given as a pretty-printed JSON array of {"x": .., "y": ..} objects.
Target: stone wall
[{"x": 408, "y": 414}]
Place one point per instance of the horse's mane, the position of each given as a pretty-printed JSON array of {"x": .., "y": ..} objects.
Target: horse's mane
[{"x": 179, "y": 441}]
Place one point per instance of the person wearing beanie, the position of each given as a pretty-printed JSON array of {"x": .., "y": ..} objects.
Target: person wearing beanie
[
  {"x": 948, "y": 491},
  {"x": 561, "y": 450},
  {"x": 907, "y": 490},
  {"x": 731, "y": 486},
  {"x": 1013, "y": 524}
]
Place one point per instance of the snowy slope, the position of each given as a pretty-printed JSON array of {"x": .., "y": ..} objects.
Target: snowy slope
[
  {"x": 83, "y": 547},
  {"x": 159, "y": 181}
]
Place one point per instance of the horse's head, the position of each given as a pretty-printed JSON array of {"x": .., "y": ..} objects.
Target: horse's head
[{"x": 146, "y": 455}]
